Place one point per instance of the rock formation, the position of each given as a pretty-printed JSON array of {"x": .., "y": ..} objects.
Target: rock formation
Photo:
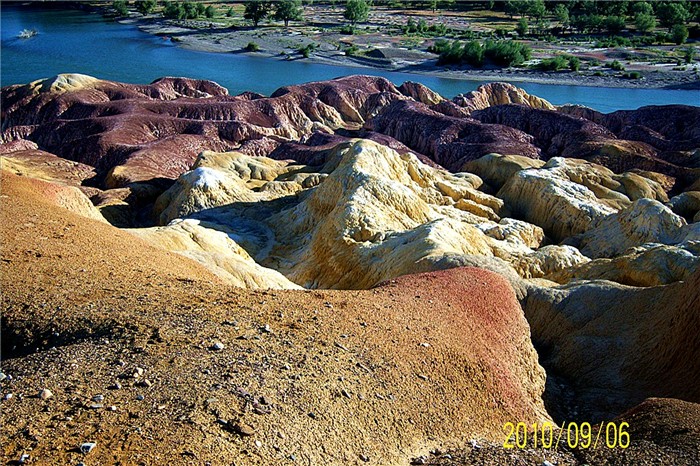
[
  {"x": 629, "y": 343},
  {"x": 392, "y": 363},
  {"x": 589, "y": 223}
]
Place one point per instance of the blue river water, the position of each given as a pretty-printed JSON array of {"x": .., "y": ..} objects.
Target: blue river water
[{"x": 73, "y": 41}]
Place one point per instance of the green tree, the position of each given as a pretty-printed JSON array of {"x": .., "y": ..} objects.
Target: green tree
[
  {"x": 190, "y": 10},
  {"x": 679, "y": 34},
  {"x": 256, "y": 11},
  {"x": 201, "y": 9},
  {"x": 120, "y": 7},
  {"x": 146, "y": 7},
  {"x": 520, "y": 7},
  {"x": 614, "y": 24},
  {"x": 289, "y": 10},
  {"x": 616, "y": 8},
  {"x": 356, "y": 11},
  {"x": 174, "y": 11},
  {"x": 671, "y": 14},
  {"x": 537, "y": 9},
  {"x": 210, "y": 12},
  {"x": 561, "y": 13},
  {"x": 574, "y": 63},
  {"x": 644, "y": 22},
  {"x": 689, "y": 54},
  {"x": 643, "y": 8},
  {"x": 522, "y": 27}
]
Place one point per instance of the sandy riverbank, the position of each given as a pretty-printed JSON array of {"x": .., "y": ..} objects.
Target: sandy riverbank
[{"x": 284, "y": 44}]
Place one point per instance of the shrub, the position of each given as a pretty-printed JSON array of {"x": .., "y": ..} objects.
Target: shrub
[
  {"x": 120, "y": 7},
  {"x": 347, "y": 29},
  {"x": 502, "y": 52},
  {"x": 614, "y": 41},
  {"x": 632, "y": 75},
  {"x": 689, "y": 54},
  {"x": 473, "y": 53},
  {"x": 553, "y": 64},
  {"x": 614, "y": 24},
  {"x": 522, "y": 27},
  {"x": 507, "y": 52},
  {"x": 574, "y": 63},
  {"x": 598, "y": 73},
  {"x": 209, "y": 12},
  {"x": 679, "y": 34},
  {"x": 252, "y": 47},
  {"x": 616, "y": 65},
  {"x": 146, "y": 7},
  {"x": 439, "y": 46},
  {"x": 451, "y": 54},
  {"x": 352, "y": 51},
  {"x": 306, "y": 50}
]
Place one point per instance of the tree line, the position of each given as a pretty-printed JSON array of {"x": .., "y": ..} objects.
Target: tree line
[{"x": 356, "y": 11}]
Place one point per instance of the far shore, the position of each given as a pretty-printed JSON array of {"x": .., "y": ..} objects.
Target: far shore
[{"x": 282, "y": 43}]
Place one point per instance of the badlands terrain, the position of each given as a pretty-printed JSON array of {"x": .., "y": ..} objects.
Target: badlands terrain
[{"x": 344, "y": 272}]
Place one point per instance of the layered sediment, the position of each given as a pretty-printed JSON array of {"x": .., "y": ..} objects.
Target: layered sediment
[{"x": 485, "y": 227}]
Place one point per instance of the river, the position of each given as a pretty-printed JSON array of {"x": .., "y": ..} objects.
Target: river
[{"x": 74, "y": 41}]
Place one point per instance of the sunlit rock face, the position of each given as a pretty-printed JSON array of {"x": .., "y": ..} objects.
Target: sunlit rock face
[
  {"x": 591, "y": 219},
  {"x": 367, "y": 215}
]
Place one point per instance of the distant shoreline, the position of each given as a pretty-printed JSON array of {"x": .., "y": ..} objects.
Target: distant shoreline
[{"x": 274, "y": 44}]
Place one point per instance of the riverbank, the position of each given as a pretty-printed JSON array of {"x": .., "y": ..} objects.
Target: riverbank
[{"x": 375, "y": 49}]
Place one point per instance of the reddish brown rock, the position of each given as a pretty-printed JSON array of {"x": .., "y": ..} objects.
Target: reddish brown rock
[
  {"x": 449, "y": 141},
  {"x": 157, "y": 130}
]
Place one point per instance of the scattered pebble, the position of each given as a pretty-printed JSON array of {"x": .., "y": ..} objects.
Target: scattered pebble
[
  {"x": 425, "y": 345},
  {"x": 546, "y": 463},
  {"x": 258, "y": 443},
  {"x": 218, "y": 346},
  {"x": 96, "y": 406},
  {"x": 364, "y": 458},
  {"x": 139, "y": 397},
  {"x": 138, "y": 372},
  {"x": 312, "y": 415},
  {"x": 345, "y": 393},
  {"x": 474, "y": 444},
  {"x": 145, "y": 383},
  {"x": 112, "y": 408},
  {"x": 266, "y": 328},
  {"x": 116, "y": 386},
  {"x": 7, "y": 396},
  {"x": 422, "y": 377},
  {"x": 244, "y": 430},
  {"x": 87, "y": 447},
  {"x": 45, "y": 394},
  {"x": 98, "y": 398},
  {"x": 342, "y": 347},
  {"x": 419, "y": 460},
  {"x": 23, "y": 459},
  {"x": 281, "y": 435},
  {"x": 2, "y": 376}
]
